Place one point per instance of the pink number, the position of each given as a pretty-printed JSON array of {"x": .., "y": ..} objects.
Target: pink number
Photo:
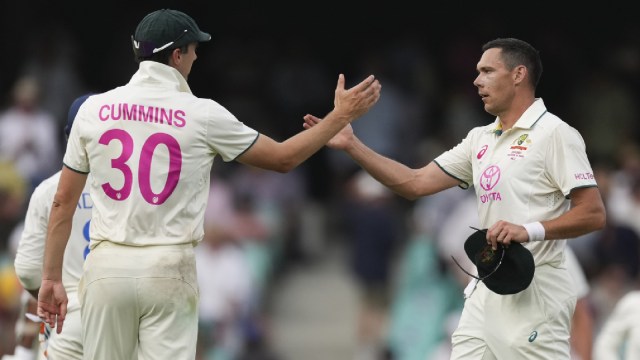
[
  {"x": 119, "y": 163},
  {"x": 144, "y": 170},
  {"x": 144, "y": 166}
]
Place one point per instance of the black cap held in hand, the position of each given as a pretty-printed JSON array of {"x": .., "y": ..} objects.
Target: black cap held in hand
[
  {"x": 165, "y": 29},
  {"x": 512, "y": 275}
]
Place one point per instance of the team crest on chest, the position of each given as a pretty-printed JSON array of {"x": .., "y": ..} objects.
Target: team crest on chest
[{"x": 519, "y": 146}]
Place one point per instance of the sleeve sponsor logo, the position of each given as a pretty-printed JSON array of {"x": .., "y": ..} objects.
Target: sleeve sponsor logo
[{"x": 584, "y": 176}]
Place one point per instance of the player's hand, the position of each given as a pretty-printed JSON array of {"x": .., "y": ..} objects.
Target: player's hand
[
  {"x": 52, "y": 303},
  {"x": 356, "y": 101},
  {"x": 340, "y": 141},
  {"x": 505, "y": 233}
]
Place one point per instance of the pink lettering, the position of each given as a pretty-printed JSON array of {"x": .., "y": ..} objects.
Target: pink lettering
[
  {"x": 165, "y": 116},
  {"x": 493, "y": 196},
  {"x": 102, "y": 116},
  {"x": 129, "y": 113},
  {"x": 179, "y": 120},
  {"x": 147, "y": 114}
]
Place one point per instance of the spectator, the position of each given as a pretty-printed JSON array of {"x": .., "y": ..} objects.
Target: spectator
[{"x": 29, "y": 136}]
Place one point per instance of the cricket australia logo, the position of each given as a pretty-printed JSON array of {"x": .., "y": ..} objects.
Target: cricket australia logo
[
  {"x": 518, "y": 147},
  {"x": 487, "y": 255},
  {"x": 522, "y": 139}
]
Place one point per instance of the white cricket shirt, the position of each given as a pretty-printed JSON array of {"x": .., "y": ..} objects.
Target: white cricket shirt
[
  {"x": 620, "y": 333},
  {"x": 150, "y": 145},
  {"x": 523, "y": 175},
  {"x": 30, "y": 252}
]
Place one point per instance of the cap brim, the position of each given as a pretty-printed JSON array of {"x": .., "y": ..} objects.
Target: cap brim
[{"x": 203, "y": 36}]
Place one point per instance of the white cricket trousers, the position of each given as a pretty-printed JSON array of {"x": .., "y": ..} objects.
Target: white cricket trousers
[
  {"x": 68, "y": 344},
  {"x": 139, "y": 303},
  {"x": 532, "y": 324}
]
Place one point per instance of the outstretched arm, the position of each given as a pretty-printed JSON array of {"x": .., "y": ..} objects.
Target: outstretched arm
[
  {"x": 349, "y": 104},
  {"x": 403, "y": 180}
]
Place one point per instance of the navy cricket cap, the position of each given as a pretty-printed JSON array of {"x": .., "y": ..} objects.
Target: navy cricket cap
[
  {"x": 73, "y": 110},
  {"x": 165, "y": 29}
]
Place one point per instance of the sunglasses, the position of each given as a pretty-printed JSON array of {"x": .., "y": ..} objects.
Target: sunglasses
[{"x": 489, "y": 253}]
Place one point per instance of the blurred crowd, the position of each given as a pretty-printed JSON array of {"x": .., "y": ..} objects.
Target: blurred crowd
[{"x": 259, "y": 223}]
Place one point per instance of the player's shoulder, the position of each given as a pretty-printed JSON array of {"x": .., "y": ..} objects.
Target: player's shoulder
[
  {"x": 188, "y": 97},
  {"x": 560, "y": 130},
  {"x": 48, "y": 184},
  {"x": 86, "y": 103},
  {"x": 545, "y": 120},
  {"x": 632, "y": 298},
  {"x": 478, "y": 132}
]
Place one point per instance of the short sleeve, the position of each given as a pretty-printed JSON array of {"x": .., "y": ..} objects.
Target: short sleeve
[
  {"x": 567, "y": 163},
  {"x": 228, "y": 136},
  {"x": 28, "y": 261},
  {"x": 456, "y": 162},
  {"x": 75, "y": 156}
]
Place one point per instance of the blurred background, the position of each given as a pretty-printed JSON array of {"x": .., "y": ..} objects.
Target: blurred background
[{"x": 322, "y": 262}]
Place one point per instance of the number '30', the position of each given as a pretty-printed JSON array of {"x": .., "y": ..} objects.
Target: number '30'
[{"x": 144, "y": 166}]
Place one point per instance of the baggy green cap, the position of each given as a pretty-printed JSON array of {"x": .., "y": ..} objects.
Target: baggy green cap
[
  {"x": 165, "y": 29},
  {"x": 508, "y": 274}
]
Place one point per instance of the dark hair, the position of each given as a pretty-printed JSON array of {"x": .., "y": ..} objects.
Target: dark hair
[
  {"x": 162, "y": 56},
  {"x": 517, "y": 52}
]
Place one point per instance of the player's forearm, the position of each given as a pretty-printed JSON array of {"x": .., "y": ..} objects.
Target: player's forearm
[
  {"x": 303, "y": 145},
  {"x": 57, "y": 236},
  {"x": 396, "y": 176},
  {"x": 581, "y": 219}
]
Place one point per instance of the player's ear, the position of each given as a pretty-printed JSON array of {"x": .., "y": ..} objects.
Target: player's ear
[
  {"x": 176, "y": 56},
  {"x": 519, "y": 73}
]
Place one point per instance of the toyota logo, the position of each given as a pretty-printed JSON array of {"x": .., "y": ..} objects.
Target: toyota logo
[{"x": 490, "y": 177}]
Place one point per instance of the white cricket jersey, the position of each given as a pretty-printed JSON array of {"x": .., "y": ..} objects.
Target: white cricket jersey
[
  {"x": 523, "y": 175},
  {"x": 150, "y": 145},
  {"x": 620, "y": 333},
  {"x": 30, "y": 252}
]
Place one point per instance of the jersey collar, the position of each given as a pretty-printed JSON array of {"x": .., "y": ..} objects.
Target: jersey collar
[
  {"x": 526, "y": 121},
  {"x": 531, "y": 115},
  {"x": 155, "y": 73}
]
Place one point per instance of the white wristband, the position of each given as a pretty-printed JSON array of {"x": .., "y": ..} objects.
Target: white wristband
[{"x": 535, "y": 231}]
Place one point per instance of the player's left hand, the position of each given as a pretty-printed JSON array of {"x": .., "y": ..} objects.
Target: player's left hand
[
  {"x": 52, "y": 303},
  {"x": 505, "y": 233}
]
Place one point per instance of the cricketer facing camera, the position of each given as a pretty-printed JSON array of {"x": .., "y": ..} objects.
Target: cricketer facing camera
[
  {"x": 534, "y": 185},
  {"x": 150, "y": 146}
]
